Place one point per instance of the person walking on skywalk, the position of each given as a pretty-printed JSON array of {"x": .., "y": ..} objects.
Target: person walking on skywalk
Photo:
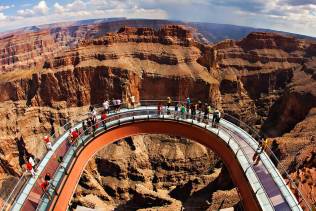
[
  {"x": 169, "y": 101},
  {"x": 30, "y": 168},
  {"x": 263, "y": 144},
  {"x": 216, "y": 118},
  {"x": 48, "y": 142},
  {"x": 106, "y": 106}
]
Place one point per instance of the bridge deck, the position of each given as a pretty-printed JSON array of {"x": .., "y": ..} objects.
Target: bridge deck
[{"x": 266, "y": 182}]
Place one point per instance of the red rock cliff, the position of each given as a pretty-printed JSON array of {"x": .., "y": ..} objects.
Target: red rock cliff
[{"x": 266, "y": 79}]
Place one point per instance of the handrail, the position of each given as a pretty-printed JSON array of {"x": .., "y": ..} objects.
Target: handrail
[
  {"x": 144, "y": 102},
  {"x": 187, "y": 116},
  {"x": 53, "y": 137},
  {"x": 251, "y": 165},
  {"x": 79, "y": 141},
  {"x": 275, "y": 157}
]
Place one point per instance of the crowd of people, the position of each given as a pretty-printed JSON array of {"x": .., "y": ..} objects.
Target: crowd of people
[
  {"x": 187, "y": 109},
  {"x": 198, "y": 111}
]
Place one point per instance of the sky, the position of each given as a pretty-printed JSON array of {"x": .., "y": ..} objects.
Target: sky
[{"x": 297, "y": 16}]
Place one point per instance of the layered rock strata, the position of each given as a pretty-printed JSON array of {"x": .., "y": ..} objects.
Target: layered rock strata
[
  {"x": 266, "y": 79},
  {"x": 155, "y": 172}
]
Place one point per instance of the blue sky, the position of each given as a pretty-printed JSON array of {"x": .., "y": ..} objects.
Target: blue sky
[{"x": 297, "y": 16}]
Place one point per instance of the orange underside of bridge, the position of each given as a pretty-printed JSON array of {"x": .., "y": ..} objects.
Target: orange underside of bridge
[{"x": 192, "y": 132}]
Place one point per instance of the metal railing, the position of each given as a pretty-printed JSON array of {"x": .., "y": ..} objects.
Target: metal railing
[
  {"x": 83, "y": 139},
  {"x": 283, "y": 172},
  {"x": 54, "y": 137},
  {"x": 7, "y": 203}
]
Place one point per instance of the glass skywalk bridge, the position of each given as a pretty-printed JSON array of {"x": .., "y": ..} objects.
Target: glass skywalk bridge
[{"x": 268, "y": 188}]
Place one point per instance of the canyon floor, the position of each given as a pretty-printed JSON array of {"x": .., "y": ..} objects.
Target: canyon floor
[{"x": 155, "y": 172}]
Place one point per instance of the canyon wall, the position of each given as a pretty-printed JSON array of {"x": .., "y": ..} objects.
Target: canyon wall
[{"x": 266, "y": 79}]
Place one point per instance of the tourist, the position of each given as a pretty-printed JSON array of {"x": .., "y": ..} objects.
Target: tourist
[
  {"x": 44, "y": 186},
  {"x": 159, "y": 108},
  {"x": 47, "y": 177},
  {"x": 91, "y": 108},
  {"x": 216, "y": 118},
  {"x": 200, "y": 106},
  {"x": 188, "y": 112},
  {"x": 169, "y": 101},
  {"x": 103, "y": 119},
  {"x": 60, "y": 159},
  {"x": 30, "y": 168},
  {"x": 32, "y": 161},
  {"x": 205, "y": 113},
  {"x": 182, "y": 111},
  {"x": 168, "y": 111},
  {"x": 94, "y": 113},
  {"x": 94, "y": 125},
  {"x": 85, "y": 128},
  {"x": 48, "y": 142},
  {"x": 119, "y": 103},
  {"x": 89, "y": 124},
  {"x": 106, "y": 106},
  {"x": 188, "y": 100},
  {"x": 114, "y": 104},
  {"x": 209, "y": 108},
  {"x": 261, "y": 146},
  {"x": 193, "y": 111},
  {"x": 74, "y": 136},
  {"x": 132, "y": 100},
  {"x": 176, "y": 109}
]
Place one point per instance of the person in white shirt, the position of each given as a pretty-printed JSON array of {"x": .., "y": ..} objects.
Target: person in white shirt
[
  {"x": 118, "y": 103},
  {"x": 114, "y": 104},
  {"x": 32, "y": 162},
  {"x": 106, "y": 106},
  {"x": 94, "y": 113}
]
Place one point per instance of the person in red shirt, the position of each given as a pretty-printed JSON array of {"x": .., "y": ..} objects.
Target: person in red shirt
[
  {"x": 74, "y": 135},
  {"x": 44, "y": 186},
  {"x": 29, "y": 167},
  {"x": 103, "y": 118},
  {"x": 48, "y": 142}
]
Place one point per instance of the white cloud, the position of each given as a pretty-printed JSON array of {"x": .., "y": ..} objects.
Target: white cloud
[
  {"x": 76, "y": 5},
  {"x": 58, "y": 8},
  {"x": 41, "y": 8},
  {"x": 5, "y": 7},
  {"x": 2, "y": 17},
  {"x": 26, "y": 13}
]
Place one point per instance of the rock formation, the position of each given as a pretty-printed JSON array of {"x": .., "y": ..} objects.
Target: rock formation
[
  {"x": 155, "y": 171},
  {"x": 266, "y": 79}
]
